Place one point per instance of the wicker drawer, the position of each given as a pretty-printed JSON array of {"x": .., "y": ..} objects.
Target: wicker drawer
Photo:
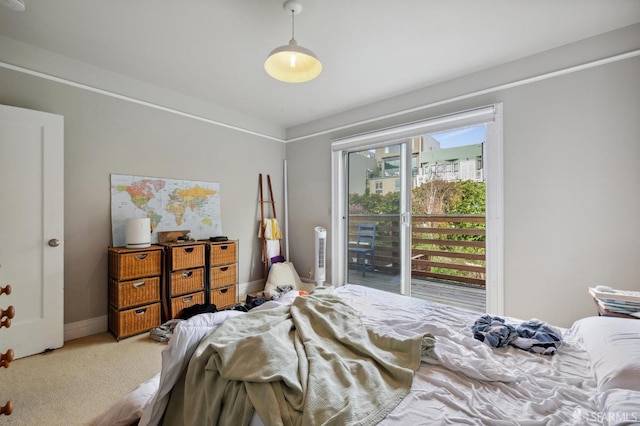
[
  {"x": 125, "y": 264},
  {"x": 223, "y": 297},
  {"x": 223, "y": 275},
  {"x": 186, "y": 281},
  {"x": 124, "y": 294},
  {"x": 181, "y": 302},
  {"x": 223, "y": 253},
  {"x": 185, "y": 257},
  {"x": 134, "y": 321}
]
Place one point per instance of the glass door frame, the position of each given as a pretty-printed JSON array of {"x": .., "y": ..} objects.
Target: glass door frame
[
  {"x": 491, "y": 116},
  {"x": 404, "y": 216}
]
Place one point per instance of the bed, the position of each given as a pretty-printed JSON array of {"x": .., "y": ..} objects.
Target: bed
[{"x": 592, "y": 378}]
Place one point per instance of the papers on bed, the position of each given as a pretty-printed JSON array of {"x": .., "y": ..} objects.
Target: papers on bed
[{"x": 618, "y": 301}]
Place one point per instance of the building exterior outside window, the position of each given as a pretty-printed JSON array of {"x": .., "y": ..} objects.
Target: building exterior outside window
[{"x": 378, "y": 170}]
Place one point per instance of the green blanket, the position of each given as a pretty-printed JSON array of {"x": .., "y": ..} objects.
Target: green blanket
[{"x": 311, "y": 363}]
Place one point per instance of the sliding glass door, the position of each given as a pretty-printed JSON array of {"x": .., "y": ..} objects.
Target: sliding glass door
[
  {"x": 376, "y": 178},
  {"x": 377, "y": 219}
]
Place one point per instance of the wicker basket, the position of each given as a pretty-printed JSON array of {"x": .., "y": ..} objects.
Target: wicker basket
[
  {"x": 134, "y": 321},
  {"x": 179, "y": 303},
  {"x": 125, "y": 265},
  {"x": 134, "y": 293},
  {"x": 223, "y": 253},
  {"x": 223, "y": 297},
  {"x": 187, "y": 281},
  {"x": 184, "y": 257},
  {"x": 223, "y": 275}
]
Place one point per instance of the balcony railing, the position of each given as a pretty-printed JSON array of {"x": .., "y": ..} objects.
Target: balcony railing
[{"x": 443, "y": 247}]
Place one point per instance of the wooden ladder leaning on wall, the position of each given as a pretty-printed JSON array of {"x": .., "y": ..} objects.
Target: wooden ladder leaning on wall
[
  {"x": 7, "y": 357},
  {"x": 265, "y": 260}
]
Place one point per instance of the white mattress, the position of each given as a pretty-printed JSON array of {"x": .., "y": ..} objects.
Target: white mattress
[{"x": 469, "y": 383}]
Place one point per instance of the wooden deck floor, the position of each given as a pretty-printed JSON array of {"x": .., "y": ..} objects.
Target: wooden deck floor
[{"x": 460, "y": 295}]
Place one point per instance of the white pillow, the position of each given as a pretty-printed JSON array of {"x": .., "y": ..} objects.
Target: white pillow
[
  {"x": 613, "y": 345},
  {"x": 618, "y": 406},
  {"x": 128, "y": 410}
]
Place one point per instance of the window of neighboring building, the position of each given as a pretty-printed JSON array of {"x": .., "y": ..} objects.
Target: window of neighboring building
[{"x": 392, "y": 167}]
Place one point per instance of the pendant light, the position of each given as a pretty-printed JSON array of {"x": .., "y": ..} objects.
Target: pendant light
[
  {"x": 15, "y": 5},
  {"x": 292, "y": 63}
]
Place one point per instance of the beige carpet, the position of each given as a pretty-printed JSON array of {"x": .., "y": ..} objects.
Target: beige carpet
[{"x": 75, "y": 384}]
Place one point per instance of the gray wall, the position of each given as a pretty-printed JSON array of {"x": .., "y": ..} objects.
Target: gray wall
[
  {"x": 572, "y": 181},
  {"x": 104, "y": 135},
  {"x": 571, "y": 173}
]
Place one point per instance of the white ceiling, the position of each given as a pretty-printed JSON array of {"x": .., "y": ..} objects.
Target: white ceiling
[{"x": 214, "y": 50}]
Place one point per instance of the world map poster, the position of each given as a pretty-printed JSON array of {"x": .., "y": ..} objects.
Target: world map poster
[{"x": 170, "y": 204}]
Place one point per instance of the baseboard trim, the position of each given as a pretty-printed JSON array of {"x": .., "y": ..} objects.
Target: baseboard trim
[
  {"x": 84, "y": 328},
  {"x": 250, "y": 288},
  {"x": 76, "y": 330}
]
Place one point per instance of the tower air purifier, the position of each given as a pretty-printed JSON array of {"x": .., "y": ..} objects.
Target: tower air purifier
[{"x": 321, "y": 254}]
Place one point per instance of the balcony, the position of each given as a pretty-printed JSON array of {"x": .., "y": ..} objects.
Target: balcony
[{"x": 448, "y": 258}]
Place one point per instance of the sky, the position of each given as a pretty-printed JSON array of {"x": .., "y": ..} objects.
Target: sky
[{"x": 460, "y": 137}]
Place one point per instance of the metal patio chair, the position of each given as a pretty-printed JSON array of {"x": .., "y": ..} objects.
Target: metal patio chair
[{"x": 364, "y": 249}]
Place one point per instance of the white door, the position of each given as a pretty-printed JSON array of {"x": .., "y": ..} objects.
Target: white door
[{"x": 31, "y": 229}]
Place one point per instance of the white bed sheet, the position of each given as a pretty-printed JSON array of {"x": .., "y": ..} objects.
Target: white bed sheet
[
  {"x": 469, "y": 383},
  {"x": 475, "y": 384}
]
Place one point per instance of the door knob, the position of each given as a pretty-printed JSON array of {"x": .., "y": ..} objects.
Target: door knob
[{"x": 54, "y": 242}]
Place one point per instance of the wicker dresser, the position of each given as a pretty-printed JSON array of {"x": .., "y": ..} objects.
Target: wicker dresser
[
  {"x": 223, "y": 273},
  {"x": 135, "y": 277},
  {"x": 185, "y": 276}
]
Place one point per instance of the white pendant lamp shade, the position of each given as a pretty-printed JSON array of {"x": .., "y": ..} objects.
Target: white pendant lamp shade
[
  {"x": 292, "y": 64},
  {"x": 15, "y": 5}
]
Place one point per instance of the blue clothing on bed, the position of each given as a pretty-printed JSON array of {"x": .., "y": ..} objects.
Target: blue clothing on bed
[
  {"x": 493, "y": 331},
  {"x": 532, "y": 336},
  {"x": 537, "y": 337}
]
